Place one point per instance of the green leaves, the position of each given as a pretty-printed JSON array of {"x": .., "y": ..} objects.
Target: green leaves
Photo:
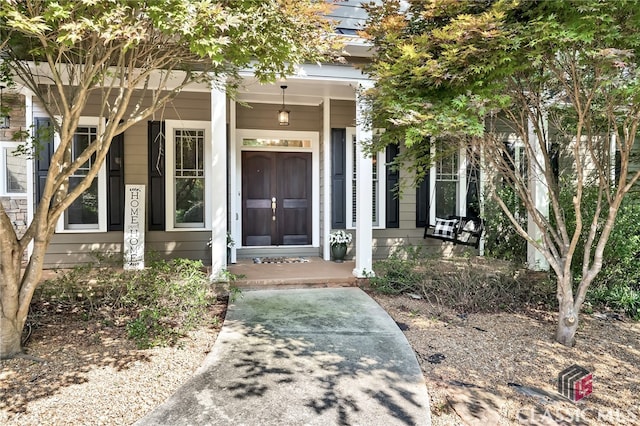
[
  {"x": 34, "y": 25},
  {"x": 437, "y": 74},
  {"x": 442, "y": 66},
  {"x": 222, "y": 36}
]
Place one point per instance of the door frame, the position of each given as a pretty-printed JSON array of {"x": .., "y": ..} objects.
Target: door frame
[{"x": 236, "y": 177}]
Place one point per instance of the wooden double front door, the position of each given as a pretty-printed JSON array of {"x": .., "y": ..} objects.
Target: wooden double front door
[{"x": 276, "y": 198}]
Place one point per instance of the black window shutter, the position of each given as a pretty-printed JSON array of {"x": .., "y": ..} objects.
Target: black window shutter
[
  {"x": 44, "y": 136},
  {"x": 422, "y": 203},
  {"x": 473, "y": 190},
  {"x": 392, "y": 201},
  {"x": 338, "y": 178},
  {"x": 115, "y": 184},
  {"x": 617, "y": 167},
  {"x": 156, "y": 158},
  {"x": 554, "y": 154}
]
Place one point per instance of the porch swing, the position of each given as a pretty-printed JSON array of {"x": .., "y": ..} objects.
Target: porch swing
[{"x": 463, "y": 230}]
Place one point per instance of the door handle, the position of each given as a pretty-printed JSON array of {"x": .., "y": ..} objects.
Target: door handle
[{"x": 273, "y": 208}]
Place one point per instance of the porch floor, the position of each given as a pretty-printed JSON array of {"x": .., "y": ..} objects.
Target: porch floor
[{"x": 316, "y": 273}]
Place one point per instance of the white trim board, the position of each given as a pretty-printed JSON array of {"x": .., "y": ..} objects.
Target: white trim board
[{"x": 170, "y": 126}]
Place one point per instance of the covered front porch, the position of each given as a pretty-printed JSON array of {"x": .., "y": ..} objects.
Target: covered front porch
[{"x": 266, "y": 211}]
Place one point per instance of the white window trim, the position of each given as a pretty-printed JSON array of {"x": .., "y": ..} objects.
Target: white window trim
[
  {"x": 613, "y": 150},
  {"x": 102, "y": 184},
  {"x": 519, "y": 151},
  {"x": 382, "y": 184},
  {"x": 170, "y": 127},
  {"x": 461, "y": 185},
  {"x": 3, "y": 183}
]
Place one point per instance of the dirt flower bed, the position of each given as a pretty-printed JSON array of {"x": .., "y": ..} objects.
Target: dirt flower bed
[
  {"x": 91, "y": 374},
  {"x": 502, "y": 368}
]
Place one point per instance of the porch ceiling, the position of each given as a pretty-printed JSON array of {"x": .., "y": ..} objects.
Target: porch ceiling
[
  {"x": 299, "y": 91},
  {"x": 309, "y": 88}
]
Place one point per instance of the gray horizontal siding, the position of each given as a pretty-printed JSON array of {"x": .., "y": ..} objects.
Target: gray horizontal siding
[
  {"x": 135, "y": 155},
  {"x": 634, "y": 166},
  {"x": 186, "y": 106},
  {"x": 387, "y": 241},
  {"x": 180, "y": 244},
  {"x": 343, "y": 114},
  {"x": 265, "y": 117},
  {"x": 67, "y": 250}
]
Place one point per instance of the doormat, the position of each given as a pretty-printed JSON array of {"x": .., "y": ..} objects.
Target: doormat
[{"x": 280, "y": 260}]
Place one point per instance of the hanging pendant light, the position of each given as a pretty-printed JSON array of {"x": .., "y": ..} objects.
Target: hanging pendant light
[
  {"x": 4, "y": 118},
  {"x": 283, "y": 114}
]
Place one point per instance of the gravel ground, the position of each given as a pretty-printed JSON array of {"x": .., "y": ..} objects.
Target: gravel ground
[
  {"x": 483, "y": 357},
  {"x": 92, "y": 375}
]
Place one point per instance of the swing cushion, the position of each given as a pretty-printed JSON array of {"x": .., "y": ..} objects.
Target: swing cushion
[
  {"x": 468, "y": 231},
  {"x": 445, "y": 228},
  {"x": 457, "y": 229}
]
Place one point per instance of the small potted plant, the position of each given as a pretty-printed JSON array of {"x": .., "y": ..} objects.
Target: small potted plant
[
  {"x": 339, "y": 240},
  {"x": 230, "y": 244}
]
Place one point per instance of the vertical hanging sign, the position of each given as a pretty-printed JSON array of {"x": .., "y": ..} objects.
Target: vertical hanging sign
[{"x": 134, "y": 225}]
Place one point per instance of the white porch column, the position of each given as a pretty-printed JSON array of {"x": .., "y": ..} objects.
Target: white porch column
[
  {"x": 432, "y": 185},
  {"x": 540, "y": 193},
  {"x": 31, "y": 201},
  {"x": 235, "y": 204},
  {"x": 364, "y": 190},
  {"x": 218, "y": 208},
  {"x": 462, "y": 182},
  {"x": 613, "y": 149},
  {"x": 483, "y": 181},
  {"x": 326, "y": 177}
]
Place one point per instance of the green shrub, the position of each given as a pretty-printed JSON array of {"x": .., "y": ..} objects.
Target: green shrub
[
  {"x": 397, "y": 274},
  {"x": 621, "y": 265},
  {"x": 463, "y": 284},
  {"x": 174, "y": 295},
  {"x": 150, "y": 329},
  {"x": 617, "y": 285},
  {"x": 619, "y": 297},
  {"x": 501, "y": 239},
  {"x": 158, "y": 304}
]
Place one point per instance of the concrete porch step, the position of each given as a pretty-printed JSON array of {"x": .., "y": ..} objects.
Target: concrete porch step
[{"x": 316, "y": 273}]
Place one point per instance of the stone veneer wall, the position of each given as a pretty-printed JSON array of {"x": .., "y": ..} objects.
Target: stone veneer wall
[{"x": 16, "y": 209}]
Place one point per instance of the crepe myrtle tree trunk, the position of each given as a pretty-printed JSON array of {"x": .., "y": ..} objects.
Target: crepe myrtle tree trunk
[
  {"x": 17, "y": 285},
  {"x": 10, "y": 336},
  {"x": 10, "y": 322},
  {"x": 570, "y": 298},
  {"x": 568, "y": 319},
  {"x": 15, "y": 307}
]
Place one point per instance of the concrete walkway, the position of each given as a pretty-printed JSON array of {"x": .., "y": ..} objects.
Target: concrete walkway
[{"x": 303, "y": 357}]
